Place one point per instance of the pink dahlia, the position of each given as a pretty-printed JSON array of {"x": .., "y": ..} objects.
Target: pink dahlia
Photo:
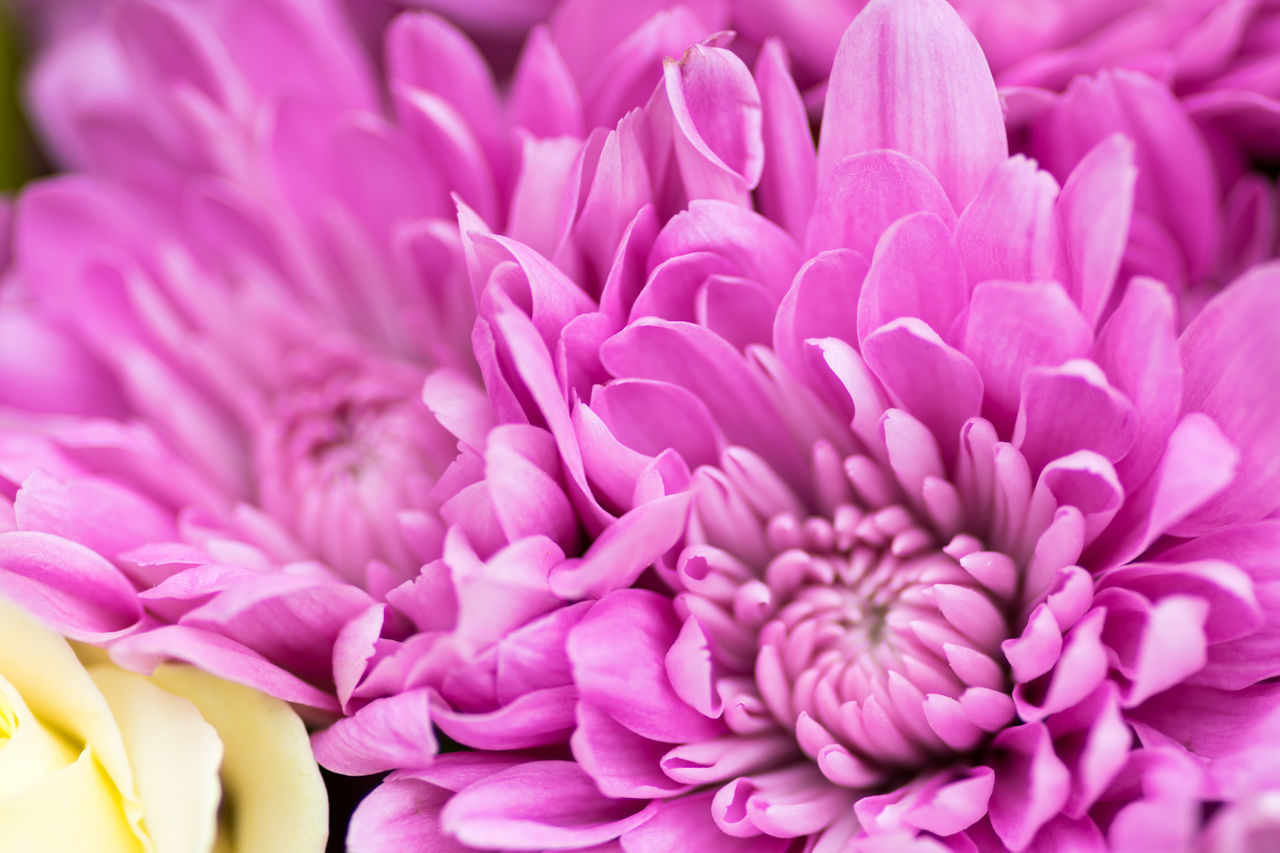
[{"x": 931, "y": 532}]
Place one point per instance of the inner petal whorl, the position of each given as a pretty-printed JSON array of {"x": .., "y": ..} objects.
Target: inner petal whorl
[
  {"x": 348, "y": 447},
  {"x": 869, "y": 634}
]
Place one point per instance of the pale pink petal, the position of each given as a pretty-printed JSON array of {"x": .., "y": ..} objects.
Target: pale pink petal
[
  {"x": 863, "y": 194},
  {"x": 789, "y": 178},
  {"x": 909, "y": 76},
  {"x": 916, "y": 271},
  {"x": 639, "y": 696},
  {"x": 1228, "y": 354},
  {"x": 385, "y": 734},
  {"x": 539, "y": 805}
]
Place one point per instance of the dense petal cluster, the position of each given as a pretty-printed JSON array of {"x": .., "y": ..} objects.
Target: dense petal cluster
[
  {"x": 712, "y": 489},
  {"x": 935, "y": 537}
]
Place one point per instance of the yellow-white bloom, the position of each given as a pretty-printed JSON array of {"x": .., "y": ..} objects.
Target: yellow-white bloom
[{"x": 95, "y": 758}]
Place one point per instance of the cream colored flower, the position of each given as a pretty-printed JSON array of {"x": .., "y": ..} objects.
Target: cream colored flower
[{"x": 95, "y": 758}]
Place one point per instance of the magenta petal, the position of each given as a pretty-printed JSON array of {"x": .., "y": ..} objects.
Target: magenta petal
[
  {"x": 685, "y": 823},
  {"x": 640, "y": 695},
  {"x": 1010, "y": 229},
  {"x": 1013, "y": 327},
  {"x": 544, "y": 99},
  {"x": 624, "y": 550},
  {"x": 757, "y": 248},
  {"x": 289, "y": 619},
  {"x": 1198, "y": 462},
  {"x": 72, "y": 589},
  {"x": 909, "y": 76},
  {"x": 1070, "y": 408},
  {"x": 42, "y": 369},
  {"x": 622, "y": 763},
  {"x": 822, "y": 303},
  {"x": 526, "y": 498},
  {"x": 537, "y": 806},
  {"x": 937, "y": 384},
  {"x": 1032, "y": 784},
  {"x": 1138, "y": 349},
  {"x": 1094, "y": 209},
  {"x": 537, "y": 718},
  {"x": 703, "y": 363},
  {"x": 864, "y": 194},
  {"x": 401, "y": 814},
  {"x": 384, "y": 735},
  {"x": 99, "y": 514},
  {"x": 427, "y": 53},
  {"x": 789, "y": 177},
  {"x": 1228, "y": 354},
  {"x": 653, "y": 416},
  {"x": 916, "y": 272},
  {"x": 1255, "y": 655},
  {"x": 719, "y": 138},
  {"x": 955, "y": 806},
  {"x": 221, "y": 656}
]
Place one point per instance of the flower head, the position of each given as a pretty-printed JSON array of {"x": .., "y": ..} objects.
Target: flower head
[{"x": 936, "y": 537}]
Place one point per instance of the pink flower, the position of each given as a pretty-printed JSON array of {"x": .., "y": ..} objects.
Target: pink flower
[
  {"x": 893, "y": 522},
  {"x": 239, "y": 406}
]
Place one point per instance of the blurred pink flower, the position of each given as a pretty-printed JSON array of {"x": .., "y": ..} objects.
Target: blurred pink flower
[
  {"x": 929, "y": 535},
  {"x": 238, "y": 401}
]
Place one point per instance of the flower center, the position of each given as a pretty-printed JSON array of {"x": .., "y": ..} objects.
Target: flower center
[
  {"x": 869, "y": 633},
  {"x": 344, "y": 452}
]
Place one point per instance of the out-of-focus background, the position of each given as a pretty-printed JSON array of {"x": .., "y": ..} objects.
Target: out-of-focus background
[{"x": 20, "y": 158}]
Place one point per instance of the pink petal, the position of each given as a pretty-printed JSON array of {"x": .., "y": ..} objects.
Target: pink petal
[
  {"x": 955, "y": 806},
  {"x": 719, "y": 139},
  {"x": 1031, "y": 784},
  {"x": 1013, "y": 327},
  {"x": 544, "y": 99},
  {"x": 42, "y": 369},
  {"x": 72, "y": 589},
  {"x": 539, "y": 805},
  {"x": 537, "y": 718},
  {"x": 639, "y": 696},
  {"x": 427, "y": 53},
  {"x": 100, "y": 514},
  {"x": 1228, "y": 354},
  {"x": 862, "y": 195},
  {"x": 1070, "y": 408},
  {"x": 1010, "y": 229},
  {"x": 526, "y": 498},
  {"x": 401, "y": 814},
  {"x": 822, "y": 303},
  {"x": 756, "y": 247},
  {"x": 622, "y": 763},
  {"x": 685, "y": 823},
  {"x": 220, "y": 656},
  {"x": 704, "y": 364},
  {"x": 1094, "y": 209},
  {"x": 789, "y": 177},
  {"x": 624, "y": 550},
  {"x": 916, "y": 272},
  {"x": 909, "y": 76},
  {"x": 937, "y": 384},
  {"x": 383, "y": 735},
  {"x": 291, "y": 620},
  {"x": 1197, "y": 464},
  {"x": 1138, "y": 349}
]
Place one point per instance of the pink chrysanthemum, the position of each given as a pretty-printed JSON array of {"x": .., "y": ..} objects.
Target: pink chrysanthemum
[
  {"x": 929, "y": 536},
  {"x": 239, "y": 402}
]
